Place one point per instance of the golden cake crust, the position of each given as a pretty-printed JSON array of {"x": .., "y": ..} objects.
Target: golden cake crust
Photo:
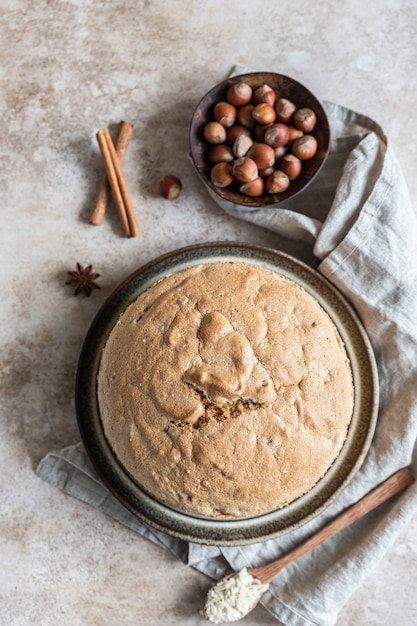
[{"x": 225, "y": 390}]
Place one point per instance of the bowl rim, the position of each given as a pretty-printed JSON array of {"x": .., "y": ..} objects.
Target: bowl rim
[
  {"x": 265, "y": 200},
  {"x": 228, "y": 532}
]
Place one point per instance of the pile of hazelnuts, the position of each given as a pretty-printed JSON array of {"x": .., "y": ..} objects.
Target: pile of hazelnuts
[{"x": 258, "y": 140}]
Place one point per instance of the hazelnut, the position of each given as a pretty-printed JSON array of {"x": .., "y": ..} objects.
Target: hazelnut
[
  {"x": 262, "y": 154},
  {"x": 239, "y": 94},
  {"x": 169, "y": 187},
  {"x": 242, "y": 144},
  {"x": 277, "y": 135},
  {"x": 290, "y": 165},
  {"x": 264, "y": 113},
  {"x": 258, "y": 131},
  {"x": 284, "y": 109},
  {"x": 277, "y": 182},
  {"x": 220, "y": 152},
  {"x": 305, "y": 119},
  {"x": 254, "y": 187},
  {"x": 294, "y": 133},
  {"x": 304, "y": 147},
  {"x": 214, "y": 132},
  {"x": 264, "y": 93},
  {"x": 225, "y": 114},
  {"x": 234, "y": 131},
  {"x": 266, "y": 172},
  {"x": 244, "y": 115},
  {"x": 279, "y": 152},
  {"x": 245, "y": 169},
  {"x": 221, "y": 174}
]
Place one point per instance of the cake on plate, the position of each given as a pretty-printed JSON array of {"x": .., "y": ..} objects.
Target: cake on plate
[{"x": 225, "y": 390}]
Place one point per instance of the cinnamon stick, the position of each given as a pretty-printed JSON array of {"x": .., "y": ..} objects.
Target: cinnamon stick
[
  {"x": 118, "y": 183},
  {"x": 124, "y": 135}
]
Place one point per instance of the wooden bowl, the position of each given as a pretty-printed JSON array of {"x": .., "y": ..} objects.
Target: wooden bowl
[{"x": 285, "y": 87}]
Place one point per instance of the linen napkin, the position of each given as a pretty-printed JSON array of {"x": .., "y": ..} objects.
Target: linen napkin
[{"x": 358, "y": 218}]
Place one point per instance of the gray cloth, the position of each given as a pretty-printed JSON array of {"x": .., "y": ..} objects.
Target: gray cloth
[{"x": 358, "y": 217}]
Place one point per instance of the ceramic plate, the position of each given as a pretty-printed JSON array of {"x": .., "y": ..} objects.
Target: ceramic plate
[{"x": 208, "y": 530}]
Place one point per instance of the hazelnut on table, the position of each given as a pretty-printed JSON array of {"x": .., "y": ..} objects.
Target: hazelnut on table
[{"x": 169, "y": 187}]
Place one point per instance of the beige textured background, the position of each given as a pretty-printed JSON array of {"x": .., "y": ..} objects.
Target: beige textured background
[{"x": 68, "y": 68}]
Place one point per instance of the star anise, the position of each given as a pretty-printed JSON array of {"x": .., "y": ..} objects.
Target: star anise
[{"x": 83, "y": 280}]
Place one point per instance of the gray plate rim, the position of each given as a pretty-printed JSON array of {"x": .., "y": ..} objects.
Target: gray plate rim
[{"x": 229, "y": 532}]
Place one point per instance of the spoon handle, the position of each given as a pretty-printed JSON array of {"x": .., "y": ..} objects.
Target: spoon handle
[{"x": 392, "y": 485}]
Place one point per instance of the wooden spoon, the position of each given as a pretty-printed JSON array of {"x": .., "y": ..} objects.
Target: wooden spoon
[{"x": 391, "y": 486}]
